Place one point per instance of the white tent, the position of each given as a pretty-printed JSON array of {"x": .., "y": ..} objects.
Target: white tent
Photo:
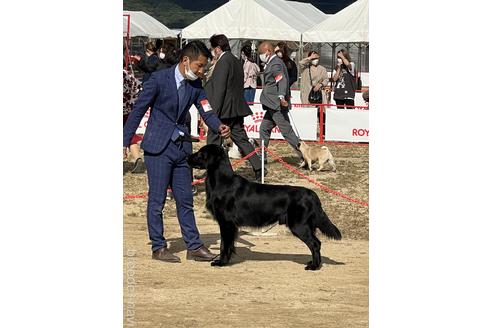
[
  {"x": 256, "y": 20},
  {"x": 350, "y": 24},
  {"x": 142, "y": 24}
]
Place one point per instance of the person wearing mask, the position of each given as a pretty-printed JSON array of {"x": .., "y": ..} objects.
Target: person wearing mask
[
  {"x": 166, "y": 144},
  {"x": 225, "y": 91},
  {"x": 283, "y": 52},
  {"x": 149, "y": 63},
  {"x": 344, "y": 77},
  {"x": 275, "y": 98},
  {"x": 168, "y": 56},
  {"x": 314, "y": 76},
  {"x": 251, "y": 71}
]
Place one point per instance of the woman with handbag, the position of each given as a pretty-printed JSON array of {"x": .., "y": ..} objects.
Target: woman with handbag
[{"x": 314, "y": 78}]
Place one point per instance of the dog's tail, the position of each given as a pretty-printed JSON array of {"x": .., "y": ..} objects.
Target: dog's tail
[{"x": 324, "y": 224}]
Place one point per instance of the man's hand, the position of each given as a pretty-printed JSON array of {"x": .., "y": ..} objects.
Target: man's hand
[
  {"x": 317, "y": 87},
  {"x": 225, "y": 131},
  {"x": 284, "y": 103},
  {"x": 125, "y": 152}
]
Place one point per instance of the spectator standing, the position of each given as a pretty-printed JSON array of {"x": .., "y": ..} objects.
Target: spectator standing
[
  {"x": 168, "y": 56},
  {"x": 225, "y": 91},
  {"x": 275, "y": 98},
  {"x": 283, "y": 52},
  {"x": 251, "y": 71},
  {"x": 170, "y": 93},
  {"x": 314, "y": 76},
  {"x": 345, "y": 78},
  {"x": 149, "y": 62}
]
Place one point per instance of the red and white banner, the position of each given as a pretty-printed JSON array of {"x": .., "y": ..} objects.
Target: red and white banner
[
  {"x": 346, "y": 124},
  {"x": 341, "y": 124},
  {"x": 303, "y": 120},
  {"x": 143, "y": 123},
  {"x": 194, "y": 122}
]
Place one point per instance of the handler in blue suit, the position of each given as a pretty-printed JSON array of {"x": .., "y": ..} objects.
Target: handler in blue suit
[{"x": 166, "y": 144}]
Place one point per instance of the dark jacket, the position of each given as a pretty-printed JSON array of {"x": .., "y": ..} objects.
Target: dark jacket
[
  {"x": 225, "y": 90},
  {"x": 148, "y": 65},
  {"x": 292, "y": 69}
]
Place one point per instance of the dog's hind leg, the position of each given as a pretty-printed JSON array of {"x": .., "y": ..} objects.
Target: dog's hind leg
[
  {"x": 228, "y": 234},
  {"x": 309, "y": 163},
  {"x": 304, "y": 233}
]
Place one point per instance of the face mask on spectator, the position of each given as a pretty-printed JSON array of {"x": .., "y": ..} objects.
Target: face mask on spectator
[
  {"x": 213, "y": 53},
  {"x": 243, "y": 56},
  {"x": 264, "y": 57},
  {"x": 279, "y": 53},
  {"x": 189, "y": 73},
  {"x": 315, "y": 62},
  {"x": 162, "y": 55},
  {"x": 340, "y": 62}
]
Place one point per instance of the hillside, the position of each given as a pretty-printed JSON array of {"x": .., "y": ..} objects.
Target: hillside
[{"x": 181, "y": 13}]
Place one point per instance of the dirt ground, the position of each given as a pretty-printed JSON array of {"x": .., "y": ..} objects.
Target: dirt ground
[{"x": 266, "y": 286}]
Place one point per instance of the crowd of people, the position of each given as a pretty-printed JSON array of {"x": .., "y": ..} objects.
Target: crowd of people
[{"x": 220, "y": 85}]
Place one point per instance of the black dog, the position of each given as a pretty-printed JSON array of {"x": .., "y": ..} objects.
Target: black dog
[{"x": 235, "y": 202}]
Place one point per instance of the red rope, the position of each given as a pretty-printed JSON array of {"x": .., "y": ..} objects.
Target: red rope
[
  {"x": 322, "y": 187},
  {"x": 281, "y": 161},
  {"x": 196, "y": 182},
  {"x": 315, "y": 105}
]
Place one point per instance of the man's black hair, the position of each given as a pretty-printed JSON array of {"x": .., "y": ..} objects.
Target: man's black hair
[
  {"x": 194, "y": 49},
  {"x": 220, "y": 40}
]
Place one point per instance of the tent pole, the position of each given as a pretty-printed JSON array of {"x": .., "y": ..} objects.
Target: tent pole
[
  {"x": 299, "y": 58},
  {"x": 333, "y": 55}
]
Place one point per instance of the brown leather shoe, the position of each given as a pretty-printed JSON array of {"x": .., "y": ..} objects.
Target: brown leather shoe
[
  {"x": 163, "y": 254},
  {"x": 200, "y": 254}
]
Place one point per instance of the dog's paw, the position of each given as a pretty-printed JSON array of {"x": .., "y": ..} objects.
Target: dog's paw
[
  {"x": 311, "y": 266},
  {"x": 217, "y": 263}
]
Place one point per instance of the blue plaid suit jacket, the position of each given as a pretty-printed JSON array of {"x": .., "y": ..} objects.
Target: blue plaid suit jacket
[{"x": 160, "y": 93}]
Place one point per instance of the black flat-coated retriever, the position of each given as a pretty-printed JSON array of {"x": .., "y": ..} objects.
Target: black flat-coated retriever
[{"x": 236, "y": 202}]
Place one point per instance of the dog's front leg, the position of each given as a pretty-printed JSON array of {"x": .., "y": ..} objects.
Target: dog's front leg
[{"x": 228, "y": 233}]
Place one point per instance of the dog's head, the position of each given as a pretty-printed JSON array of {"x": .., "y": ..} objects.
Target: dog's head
[
  {"x": 207, "y": 156},
  {"x": 302, "y": 146}
]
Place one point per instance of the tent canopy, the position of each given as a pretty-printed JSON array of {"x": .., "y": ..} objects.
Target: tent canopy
[
  {"x": 256, "y": 20},
  {"x": 350, "y": 24},
  {"x": 142, "y": 24}
]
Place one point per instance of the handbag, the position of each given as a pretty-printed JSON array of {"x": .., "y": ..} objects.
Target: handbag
[{"x": 314, "y": 97}]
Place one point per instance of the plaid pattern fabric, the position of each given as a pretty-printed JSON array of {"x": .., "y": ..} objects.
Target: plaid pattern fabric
[{"x": 160, "y": 93}]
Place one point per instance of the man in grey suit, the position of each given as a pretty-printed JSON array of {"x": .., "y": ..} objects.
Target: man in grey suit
[
  {"x": 224, "y": 89},
  {"x": 275, "y": 98}
]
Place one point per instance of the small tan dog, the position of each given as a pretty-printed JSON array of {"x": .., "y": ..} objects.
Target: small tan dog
[{"x": 312, "y": 154}]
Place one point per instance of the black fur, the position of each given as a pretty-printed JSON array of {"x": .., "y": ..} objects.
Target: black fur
[{"x": 235, "y": 202}]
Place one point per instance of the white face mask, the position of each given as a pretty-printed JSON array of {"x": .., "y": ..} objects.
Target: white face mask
[
  {"x": 243, "y": 57},
  {"x": 162, "y": 55},
  {"x": 189, "y": 73},
  {"x": 315, "y": 62},
  {"x": 213, "y": 53},
  {"x": 264, "y": 57},
  {"x": 339, "y": 61},
  {"x": 279, "y": 54}
]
